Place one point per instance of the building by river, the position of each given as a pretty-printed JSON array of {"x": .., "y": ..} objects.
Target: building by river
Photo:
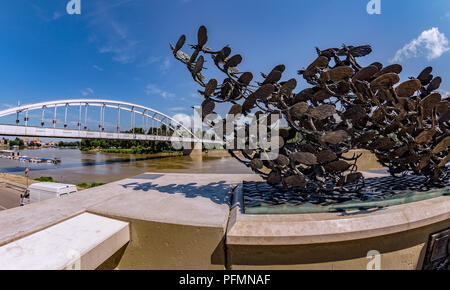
[{"x": 10, "y": 153}]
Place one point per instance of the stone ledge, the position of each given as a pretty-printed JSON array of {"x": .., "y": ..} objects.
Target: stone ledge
[
  {"x": 82, "y": 243},
  {"x": 301, "y": 229},
  {"x": 19, "y": 222}
]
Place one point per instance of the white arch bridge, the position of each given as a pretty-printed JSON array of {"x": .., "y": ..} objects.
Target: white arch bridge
[{"x": 55, "y": 129}]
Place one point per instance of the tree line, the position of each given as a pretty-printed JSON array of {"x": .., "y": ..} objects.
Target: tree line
[{"x": 131, "y": 146}]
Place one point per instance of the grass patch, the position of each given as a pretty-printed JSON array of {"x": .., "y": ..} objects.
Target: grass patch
[
  {"x": 45, "y": 179},
  {"x": 119, "y": 151},
  {"x": 138, "y": 150},
  {"x": 92, "y": 185}
]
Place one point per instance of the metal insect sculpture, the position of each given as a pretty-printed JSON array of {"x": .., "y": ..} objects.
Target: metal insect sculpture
[{"x": 347, "y": 107}]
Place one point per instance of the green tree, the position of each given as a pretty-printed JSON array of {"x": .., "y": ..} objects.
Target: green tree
[{"x": 16, "y": 142}]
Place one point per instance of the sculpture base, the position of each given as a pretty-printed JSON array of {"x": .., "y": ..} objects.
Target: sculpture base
[
  {"x": 296, "y": 237},
  {"x": 261, "y": 198}
]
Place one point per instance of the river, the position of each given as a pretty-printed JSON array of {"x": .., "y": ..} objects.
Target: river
[{"x": 78, "y": 167}]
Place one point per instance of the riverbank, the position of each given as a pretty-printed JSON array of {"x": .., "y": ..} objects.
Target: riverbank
[
  {"x": 16, "y": 179},
  {"x": 21, "y": 181},
  {"x": 367, "y": 161},
  {"x": 219, "y": 153},
  {"x": 130, "y": 152}
]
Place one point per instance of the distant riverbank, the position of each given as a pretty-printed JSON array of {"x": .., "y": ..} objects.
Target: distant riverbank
[
  {"x": 136, "y": 152},
  {"x": 168, "y": 153}
]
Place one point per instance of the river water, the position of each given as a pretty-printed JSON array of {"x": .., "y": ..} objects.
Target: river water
[{"x": 78, "y": 167}]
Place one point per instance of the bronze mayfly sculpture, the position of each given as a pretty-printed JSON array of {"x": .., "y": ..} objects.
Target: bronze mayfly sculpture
[{"x": 347, "y": 107}]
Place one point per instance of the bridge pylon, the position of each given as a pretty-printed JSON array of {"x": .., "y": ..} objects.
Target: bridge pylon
[{"x": 193, "y": 149}]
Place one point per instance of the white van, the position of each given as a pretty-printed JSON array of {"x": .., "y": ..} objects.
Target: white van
[{"x": 46, "y": 190}]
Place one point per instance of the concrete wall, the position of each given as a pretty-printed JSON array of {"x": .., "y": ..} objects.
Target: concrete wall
[
  {"x": 400, "y": 251},
  {"x": 159, "y": 246},
  {"x": 177, "y": 221},
  {"x": 335, "y": 240}
]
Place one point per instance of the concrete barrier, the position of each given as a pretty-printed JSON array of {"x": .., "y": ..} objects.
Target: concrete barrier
[
  {"x": 329, "y": 241},
  {"x": 80, "y": 243}
]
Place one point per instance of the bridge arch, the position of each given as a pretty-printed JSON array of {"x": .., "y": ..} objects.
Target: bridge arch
[{"x": 84, "y": 104}]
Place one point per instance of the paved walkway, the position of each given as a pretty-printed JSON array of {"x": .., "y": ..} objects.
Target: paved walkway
[{"x": 9, "y": 197}]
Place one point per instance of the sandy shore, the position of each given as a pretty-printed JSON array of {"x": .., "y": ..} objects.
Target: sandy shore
[
  {"x": 217, "y": 153},
  {"x": 21, "y": 181},
  {"x": 368, "y": 160},
  {"x": 16, "y": 179}
]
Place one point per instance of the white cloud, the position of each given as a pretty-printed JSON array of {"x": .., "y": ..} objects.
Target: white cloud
[
  {"x": 445, "y": 94},
  {"x": 104, "y": 7},
  {"x": 177, "y": 109},
  {"x": 57, "y": 15},
  {"x": 7, "y": 106},
  {"x": 150, "y": 60},
  {"x": 184, "y": 119},
  {"x": 152, "y": 89},
  {"x": 87, "y": 92},
  {"x": 97, "y": 67},
  {"x": 112, "y": 36},
  {"x": 166, "y": 64},
  {"x": 124, "y": 52},
  {"x": 46, "y": 15},
  {"x": 430, "y": 43},
  {"x": 197, "y": 95}
]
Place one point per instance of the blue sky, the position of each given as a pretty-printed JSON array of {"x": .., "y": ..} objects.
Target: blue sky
[{"x": 118, "y": 49}]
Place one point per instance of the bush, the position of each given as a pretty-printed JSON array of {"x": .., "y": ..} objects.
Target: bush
[
  {"x": 86, "y": 186},
  {"x": 16, "y": 142},
  {"x": 45, "y": 179}
]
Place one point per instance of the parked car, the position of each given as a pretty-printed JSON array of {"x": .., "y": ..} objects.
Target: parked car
[{"x": 46, "y": 190}]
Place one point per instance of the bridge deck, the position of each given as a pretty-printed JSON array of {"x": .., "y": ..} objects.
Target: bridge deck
[{"x": 27, "y": 131}]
